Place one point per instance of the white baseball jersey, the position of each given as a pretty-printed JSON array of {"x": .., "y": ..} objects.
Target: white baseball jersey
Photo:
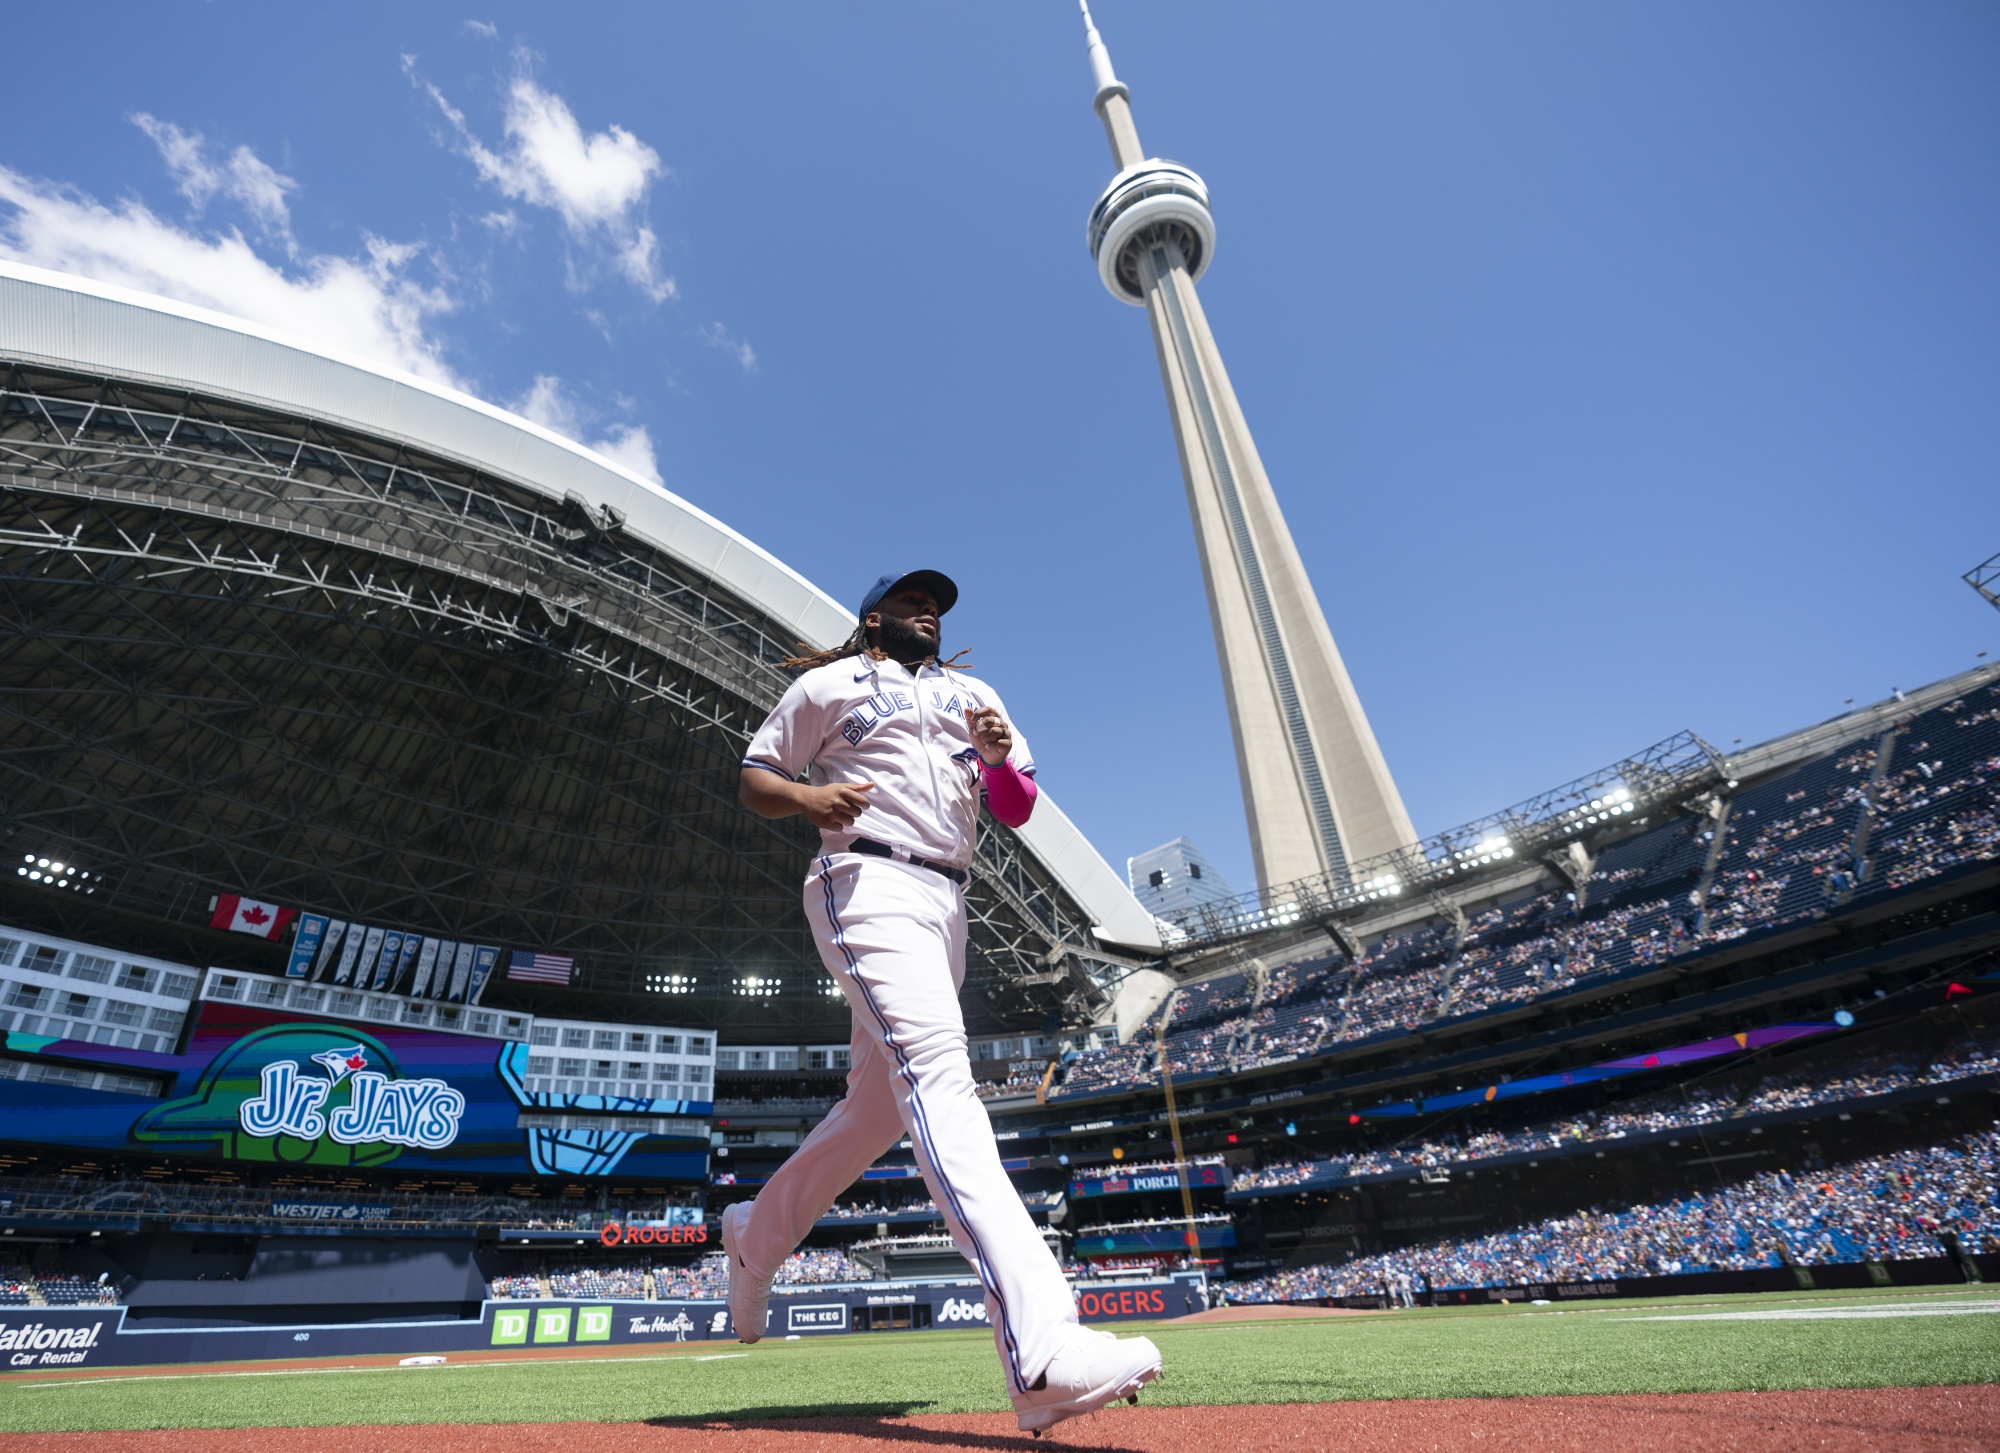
[
  {"x": 892, "y": 937},
  {"x": 861, "y": 720}
]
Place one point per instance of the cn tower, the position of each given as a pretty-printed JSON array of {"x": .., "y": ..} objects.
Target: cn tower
[{"x": 1316, "y": 791}]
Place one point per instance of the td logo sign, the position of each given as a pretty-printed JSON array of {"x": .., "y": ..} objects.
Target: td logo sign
[{"x": 512, "y": 1325}]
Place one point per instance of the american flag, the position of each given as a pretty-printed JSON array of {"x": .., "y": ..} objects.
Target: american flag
[{"x": 539, "y": 968}]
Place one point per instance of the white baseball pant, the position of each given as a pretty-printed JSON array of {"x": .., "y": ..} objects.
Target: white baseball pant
[{"x": 893, "y": 938}]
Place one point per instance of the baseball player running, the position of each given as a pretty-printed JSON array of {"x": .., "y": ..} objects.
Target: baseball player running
[{"x": 898, "y": 750}]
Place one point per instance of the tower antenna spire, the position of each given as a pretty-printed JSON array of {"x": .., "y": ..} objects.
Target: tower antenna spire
[
  {"x": 1113, "y": 101},
  {"x": 1100, "y": 60}
]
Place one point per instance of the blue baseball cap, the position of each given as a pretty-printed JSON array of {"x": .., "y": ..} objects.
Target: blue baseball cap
[{"x": 940, "y": 585}]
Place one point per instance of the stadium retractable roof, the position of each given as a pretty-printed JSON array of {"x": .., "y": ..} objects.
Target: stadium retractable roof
[{"x": 296, "y": 625}]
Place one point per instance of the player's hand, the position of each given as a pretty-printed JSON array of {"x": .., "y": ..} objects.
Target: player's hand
[
  {"x": 990, "y": 734},
  {"x": 835, "y": 806}
]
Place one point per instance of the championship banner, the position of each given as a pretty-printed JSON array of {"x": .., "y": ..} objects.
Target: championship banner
[
  {"x": 390, "y": 960},
  {"x": 336, "y": 934},
  {"x": 483, "y": 960},
  {"x": 385, "y": 966},
  {"x": 305, "y": 947},
  {"x": 349, "y": 952},
  {"x": 371, "y": 949},
  {"x": 427, "y": 958},
  {"x": 408, "y": 957},
  {"x": 461, "y": 975}
]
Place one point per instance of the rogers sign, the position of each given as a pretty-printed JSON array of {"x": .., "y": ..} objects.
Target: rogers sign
[
  {"x": 611, "y": 1233},
  {"x": 1125, "y": 1302}
]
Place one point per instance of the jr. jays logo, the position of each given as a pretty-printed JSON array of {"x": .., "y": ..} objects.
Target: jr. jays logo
[{"x": 423, "y": 1113}]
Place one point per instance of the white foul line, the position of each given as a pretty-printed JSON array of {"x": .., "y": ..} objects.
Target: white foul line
[{"x": 1816, "y": 1314}]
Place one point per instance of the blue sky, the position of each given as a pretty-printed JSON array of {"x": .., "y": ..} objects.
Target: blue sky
[{"x": 1621, "y": 369}]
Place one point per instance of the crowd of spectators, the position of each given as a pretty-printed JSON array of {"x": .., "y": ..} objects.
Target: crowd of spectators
[
  {"x": 704, "y": 1280},
  {"x": 1882, "y": 1208},
  {"x": 1027, "y": 1082},
  {"x": 16, "y": 1286},
  {"x": 1793, "y": 848},
  {"x": 818, "y": 1265},
  {"x": 876, "y": 1210},
  {"x": 620, "y": 1283},
  {"x": 19, "y": 1287},
  {"x": 64, "y": 1290},
  {"x": 1686, "y": 1108},
  {"x": 1157, "y": 1223},
  {"x": 515, "y": 1288},
  {"x": 255, "y": 1207},
  {"x": 1116, "y": 1169}
]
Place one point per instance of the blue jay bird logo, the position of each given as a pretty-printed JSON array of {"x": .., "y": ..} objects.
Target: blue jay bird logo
[{"x": 340, "y": 1063}]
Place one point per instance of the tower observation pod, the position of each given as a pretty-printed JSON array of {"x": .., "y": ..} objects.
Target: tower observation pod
[{"x": 1316, "y": 790}]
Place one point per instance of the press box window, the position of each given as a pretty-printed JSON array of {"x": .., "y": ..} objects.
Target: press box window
[
  {"x": 91, "y": 969},
  {"x": 576, "y": 1039}
]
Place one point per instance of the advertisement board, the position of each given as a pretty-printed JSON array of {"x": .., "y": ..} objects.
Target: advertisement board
[
  {"x": 280, "y": 1088},
  {"x": 61, "y": 1338},
  {"x": 1206, "y": 1176}
]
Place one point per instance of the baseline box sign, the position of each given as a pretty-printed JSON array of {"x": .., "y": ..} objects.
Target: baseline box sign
[
  {"x": 270, "y": 1086},
  {"x": 1199, "y": 1177}
]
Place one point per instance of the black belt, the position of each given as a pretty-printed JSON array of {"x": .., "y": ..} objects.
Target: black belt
[{"x": 868, "y": 847}]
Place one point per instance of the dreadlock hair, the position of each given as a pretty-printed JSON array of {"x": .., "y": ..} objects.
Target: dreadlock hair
[
  {"x": 857, "y": 645},
  {"x": 854, "y": 645}
]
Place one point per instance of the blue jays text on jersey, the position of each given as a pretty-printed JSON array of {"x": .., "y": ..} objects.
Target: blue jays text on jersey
[{"x": 860, "y": 720}]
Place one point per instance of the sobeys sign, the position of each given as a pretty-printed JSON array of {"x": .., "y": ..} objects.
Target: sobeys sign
[{"x": 309, "y": 1094}]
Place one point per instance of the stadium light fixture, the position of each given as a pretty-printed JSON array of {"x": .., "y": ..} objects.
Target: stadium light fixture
[{"x": 55, "y": 873}]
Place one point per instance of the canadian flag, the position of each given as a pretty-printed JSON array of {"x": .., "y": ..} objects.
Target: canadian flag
[{"x": 247, "y": 915}]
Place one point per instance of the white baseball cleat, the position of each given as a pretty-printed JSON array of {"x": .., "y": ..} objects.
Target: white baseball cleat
[
  {"x": 1094, "y": 1370},
  {"x": 749, "y": 1296}
]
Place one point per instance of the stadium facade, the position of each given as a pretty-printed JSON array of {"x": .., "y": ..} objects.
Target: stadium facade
[{"x": 298, "y": 627}]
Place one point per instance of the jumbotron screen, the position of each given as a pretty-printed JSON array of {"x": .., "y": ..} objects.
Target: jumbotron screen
[{"x": 285, "y": 1089}]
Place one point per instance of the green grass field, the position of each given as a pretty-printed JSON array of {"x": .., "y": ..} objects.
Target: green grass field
[{"x": 1612, "y": 1347}]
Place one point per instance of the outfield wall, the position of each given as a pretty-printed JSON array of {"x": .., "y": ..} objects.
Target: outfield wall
[
  {"x": 1839, "y": 1276},
  {"x": 33, "y": 1338}
]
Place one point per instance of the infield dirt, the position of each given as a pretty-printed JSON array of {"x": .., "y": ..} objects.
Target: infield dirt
[{"x": 1905, "y": 1420}]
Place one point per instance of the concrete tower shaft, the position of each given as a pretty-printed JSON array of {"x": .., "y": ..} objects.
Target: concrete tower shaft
[{"x": 1316, "y": 790}]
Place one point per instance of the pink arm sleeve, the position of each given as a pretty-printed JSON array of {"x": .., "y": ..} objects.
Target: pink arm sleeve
[{"x": 1010, "y": 793}]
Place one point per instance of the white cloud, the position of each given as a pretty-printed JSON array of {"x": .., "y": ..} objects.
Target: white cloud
[
  {"x": 484, "y": 29},
  {"x": 596, "y": 182},
  {"x": 547, "y": 403},
  {"x": 368, "y": 306},
  {"x": 717, "y": 336},
  {"x": 631, "y": 446},
  {"x": 243, "y": 176}
]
